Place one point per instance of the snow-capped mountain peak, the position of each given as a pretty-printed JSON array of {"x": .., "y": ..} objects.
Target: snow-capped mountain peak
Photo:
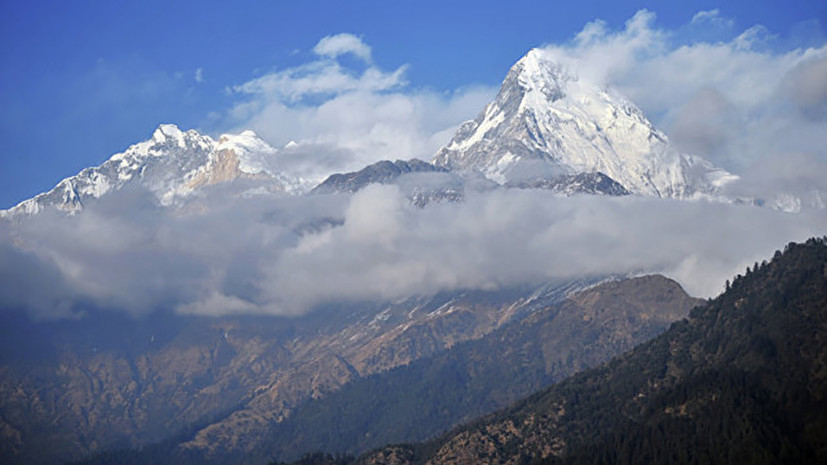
[
  {"x": 549, "y": 79},
  {"x": 171, "y": 164},
  {"x": 254, "y": 154},
  {"x": 548, "y": 117},
  {"x": 167, "y": 132}
]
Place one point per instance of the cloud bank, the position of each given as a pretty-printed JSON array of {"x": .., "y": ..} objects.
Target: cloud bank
[{"x": 285, "y": 255}]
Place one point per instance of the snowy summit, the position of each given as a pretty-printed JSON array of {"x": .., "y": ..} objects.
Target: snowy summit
[
  {"x": 547, "y": 122},
  {"x": 171, "y": 165}
]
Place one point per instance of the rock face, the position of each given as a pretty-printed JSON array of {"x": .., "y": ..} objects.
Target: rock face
[
  {"x": 171, "y": 165},
  {"x": 746, "y": 369},
  {"x": 547, "y": 120},
  {"x": 382, "y": 172},
  {"x": 422, "y": 183}
]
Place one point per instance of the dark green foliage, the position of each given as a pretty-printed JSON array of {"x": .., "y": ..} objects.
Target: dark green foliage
[
  {"x": 414, "y": 402},
  {"x": 163, "y": 452},
  {"x": 319, "y": 458},
  {"x": 748, "y": 383}
]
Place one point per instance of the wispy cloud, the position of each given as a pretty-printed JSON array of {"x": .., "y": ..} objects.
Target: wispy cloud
[
  {"x": 340, "y": 44},
  {"x": 320, "y": 78},
  {"x": 346, "y": 117},
  {"x": 711, "y": 17}
]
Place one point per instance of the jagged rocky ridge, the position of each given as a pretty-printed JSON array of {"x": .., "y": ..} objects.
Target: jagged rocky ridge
[
  {"x": 421, "y": 182},
  {"x": 382, "y": 172},
  {"x": 424, "y": 183},
  {"x": 582, "y": 183},
  {"x": 171, "y": 165}
]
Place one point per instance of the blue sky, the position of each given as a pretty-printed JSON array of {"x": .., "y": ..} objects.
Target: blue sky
[{"x": 80, "y": 81}]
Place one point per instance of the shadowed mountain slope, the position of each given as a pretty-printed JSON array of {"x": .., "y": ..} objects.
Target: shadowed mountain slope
[{"x": 431, "y": 395}]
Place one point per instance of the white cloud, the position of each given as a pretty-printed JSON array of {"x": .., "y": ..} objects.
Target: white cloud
[
  {"x": 354, "y": 129},
  {"x": 704, "y": 124},
  {"x": 340, "y": 44},
  {"x": 343, "y": 118},
  {"x": 199, "y": 75},
  {"x": 324, "y": 78},
  {"x": 296, "y": 252},
  {"x": 707, "y": 15},
  {"x": 598, "y": 53},
  {"x": 711, "y": 17},
  {"x": 387, "y": 249},
  {"x": 642, "y": 61},
  {"x": 806, "y": 85},
  {"x": 216, "y": 304}
]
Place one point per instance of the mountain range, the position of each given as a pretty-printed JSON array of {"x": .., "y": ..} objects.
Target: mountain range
[
  {"x": 172, "y": 165},
  {"x": 211, "y": 381},
  {"x": 247, "y": 389},
  {"x": 545, "y": 126}
]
